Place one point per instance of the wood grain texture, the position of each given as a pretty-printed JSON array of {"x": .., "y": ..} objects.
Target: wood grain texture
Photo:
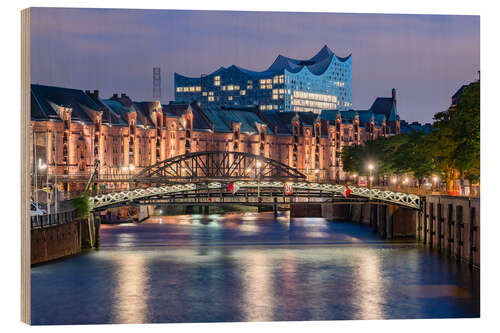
[{"x": 25, "y": 176}]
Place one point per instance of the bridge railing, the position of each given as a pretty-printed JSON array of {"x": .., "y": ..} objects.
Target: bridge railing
[
  {"x": 397, "y": 198},
  {"x": 48, "y": 220}
]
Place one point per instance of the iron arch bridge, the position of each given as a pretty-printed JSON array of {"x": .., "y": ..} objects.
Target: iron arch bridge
[
  {"x": 250, "y": 193},
  {"x": 214, "y": 166}
]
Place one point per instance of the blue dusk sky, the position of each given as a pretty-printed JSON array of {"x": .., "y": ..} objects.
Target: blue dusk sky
[{"x": 425, "y": 57}]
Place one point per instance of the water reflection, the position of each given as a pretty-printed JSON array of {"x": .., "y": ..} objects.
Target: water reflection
[
  {"x": 249, "y": 267},
  {"x": 258, "y": 302},
  {"x": 369, "y": 285},
  {"x": 131, "y": 293}
]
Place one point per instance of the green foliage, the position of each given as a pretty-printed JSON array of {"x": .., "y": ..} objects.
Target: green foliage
[
  {"x": 82, "y": 204},
  {"x": 455, "y": 141},
  {"x": 452, "y": 147}
]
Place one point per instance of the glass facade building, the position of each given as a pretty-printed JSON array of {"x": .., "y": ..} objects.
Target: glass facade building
[{"x": 323, "y": 82}]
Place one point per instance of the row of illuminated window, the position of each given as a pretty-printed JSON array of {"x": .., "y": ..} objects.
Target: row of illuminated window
[
  {"x": 189, "y": 89},
  {"x": 339, "y": 84},
  {"x": 306, "y": 109},
  {"x": 314, "y": 104},
  {"x": 268, "y": 107},
  {"x": 211, "y": 95},
  {"x": 297, "y": 94}
]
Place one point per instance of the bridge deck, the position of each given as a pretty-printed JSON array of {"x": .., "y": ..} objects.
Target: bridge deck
[{"x": 250, "y": 192}]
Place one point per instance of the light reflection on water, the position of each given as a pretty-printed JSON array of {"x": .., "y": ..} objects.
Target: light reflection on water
[{"x": 249, "y": 267}]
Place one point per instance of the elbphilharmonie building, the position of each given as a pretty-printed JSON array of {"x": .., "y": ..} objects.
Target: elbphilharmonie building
[{"x": 323, "y": 82}]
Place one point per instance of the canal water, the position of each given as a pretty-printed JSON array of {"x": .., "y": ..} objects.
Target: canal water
[{"x": 249, "y": 267}]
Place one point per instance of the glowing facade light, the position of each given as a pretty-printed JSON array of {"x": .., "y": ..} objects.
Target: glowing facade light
[
  {"x": 259, "y": 164},
  {"x": 371, "y": 167},
  {"x": 131, "y": 167}
]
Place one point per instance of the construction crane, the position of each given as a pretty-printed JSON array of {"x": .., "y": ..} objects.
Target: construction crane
[{"x": 96, "y": 165}]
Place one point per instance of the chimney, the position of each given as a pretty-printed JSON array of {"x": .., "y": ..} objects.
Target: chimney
[
  {"x": 87, "y": 92},
  {"x": 115, "y": 96},
  {"x": 394, "y": 95},
  {"x": 124, "y": 95},
  {"x": 96, "y": 93}
]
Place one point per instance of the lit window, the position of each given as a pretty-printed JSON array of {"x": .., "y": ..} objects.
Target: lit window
[
  {"x": 224, "y": 88},
  {"x": 179, "y": 89},
  {"x": 204, "y": 93},
  {"x": 230, "y": 87},
  {"x": 269, "y": 86},
  {"x": 210, "y": 98},
  {"x": 217, "y": 80},
  {"x": 191, "y": 89},
  {"x": 230, "y": 98},
  {"x": 243, "y": 92},
  {"x": 198, "y": 88},
  {"x": 276, "y": 79},
  {"x": 211, "y": 93},
  {"x": 249, "y": 87}
]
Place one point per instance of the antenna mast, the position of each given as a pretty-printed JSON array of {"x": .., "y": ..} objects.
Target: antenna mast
[{"x": 156, "y": 83}]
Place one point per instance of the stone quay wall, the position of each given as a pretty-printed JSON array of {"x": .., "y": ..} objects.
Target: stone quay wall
[{"x": 62, "y": 240}]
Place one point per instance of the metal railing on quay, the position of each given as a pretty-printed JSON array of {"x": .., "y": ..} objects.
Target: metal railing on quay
[{"x": 47, "y": 220}]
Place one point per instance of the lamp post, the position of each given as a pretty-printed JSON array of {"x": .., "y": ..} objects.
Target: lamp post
[
  {"x": 370, "y": 168},
  {"x": 434, "y": 181}
]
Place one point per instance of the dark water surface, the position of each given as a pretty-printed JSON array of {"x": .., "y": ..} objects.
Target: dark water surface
[{"x": 249, "y": 267}]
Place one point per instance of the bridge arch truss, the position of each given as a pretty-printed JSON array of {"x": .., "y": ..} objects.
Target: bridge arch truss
[{"x": 216, "y": 165}]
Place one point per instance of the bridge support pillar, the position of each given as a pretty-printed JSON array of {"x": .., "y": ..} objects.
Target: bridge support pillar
[
  {"x": 382, "y": 218},
  {"x": 275, "y": 207},
  {"x": 373, "y": 217},
  {"x": 206, "y": 210}
]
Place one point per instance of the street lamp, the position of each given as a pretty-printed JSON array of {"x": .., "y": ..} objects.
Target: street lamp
[
  {"x": 370, "y": 168},
  {"x": 435, "y": 180}
]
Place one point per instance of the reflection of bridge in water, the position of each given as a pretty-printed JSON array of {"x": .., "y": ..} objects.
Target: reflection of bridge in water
[{"x": 202, "y": 178}]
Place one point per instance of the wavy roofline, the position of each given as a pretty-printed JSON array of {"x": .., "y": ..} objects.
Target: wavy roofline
[{"x": 282, "y": 64}]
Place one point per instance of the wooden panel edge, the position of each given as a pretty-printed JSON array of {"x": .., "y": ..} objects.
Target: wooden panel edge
[{"x": 25, "y": 175}]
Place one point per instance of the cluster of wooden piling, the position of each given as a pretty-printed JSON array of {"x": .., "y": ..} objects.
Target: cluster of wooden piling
[{"x": 451, "y": 226}]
